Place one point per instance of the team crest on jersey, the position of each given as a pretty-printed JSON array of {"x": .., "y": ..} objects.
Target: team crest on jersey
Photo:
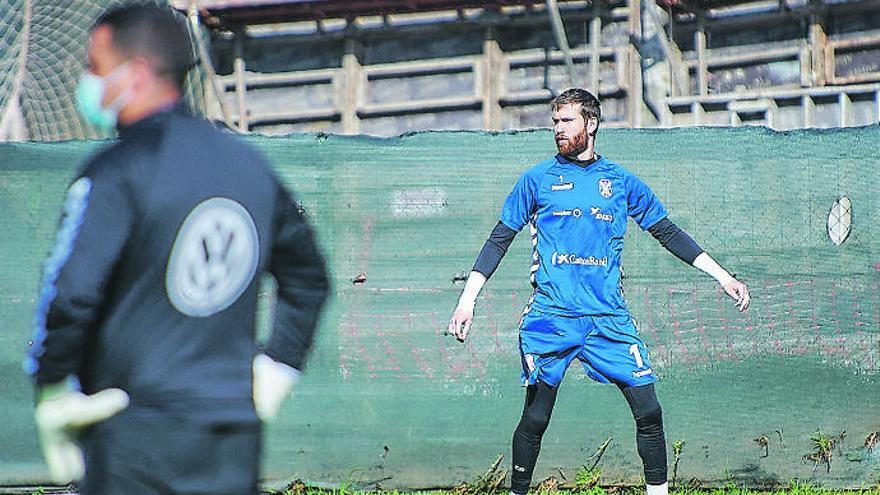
[
  {"x": 605, "y": 188},
  {"x": 214, "y": 258}
]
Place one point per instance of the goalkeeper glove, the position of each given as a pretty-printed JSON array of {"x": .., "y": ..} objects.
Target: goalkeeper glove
[
  {"x": 60, "y": 413},
  {"x": 273, "y": 382}
]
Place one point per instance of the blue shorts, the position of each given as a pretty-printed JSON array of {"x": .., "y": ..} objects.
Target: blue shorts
[{"x": 609, "y": 347}]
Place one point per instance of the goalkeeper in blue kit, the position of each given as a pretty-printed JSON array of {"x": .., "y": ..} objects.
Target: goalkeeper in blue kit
[{"x": 576, "y": 205}]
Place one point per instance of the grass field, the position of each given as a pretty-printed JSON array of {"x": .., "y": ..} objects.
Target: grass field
[
  {"x": 793, "y": 488},
  {"x": 546, "y": 488}
]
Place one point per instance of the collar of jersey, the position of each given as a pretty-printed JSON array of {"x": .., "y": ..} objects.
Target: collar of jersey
[{"x": 564, "y": 161}]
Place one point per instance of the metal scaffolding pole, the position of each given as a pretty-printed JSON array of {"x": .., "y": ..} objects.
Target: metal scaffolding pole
[
  {"x": 561, "y": 39},
  {"x": 206, "y": 63}
]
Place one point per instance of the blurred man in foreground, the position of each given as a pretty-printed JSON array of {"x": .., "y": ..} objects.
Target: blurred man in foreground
[{"x": 149, "y": 378}]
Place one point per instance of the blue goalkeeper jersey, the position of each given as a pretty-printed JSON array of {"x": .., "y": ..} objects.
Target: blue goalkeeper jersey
[{"x": 577, "y": 217}]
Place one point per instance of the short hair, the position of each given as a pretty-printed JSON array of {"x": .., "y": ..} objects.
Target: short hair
[
  {"x": 156, "y": 32},
  {"x": 577, "y": 96}
]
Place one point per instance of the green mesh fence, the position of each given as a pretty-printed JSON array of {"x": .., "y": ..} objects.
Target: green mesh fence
[
  {"x": 42, "y": 54},
  {"x": 389, "y": 401}
]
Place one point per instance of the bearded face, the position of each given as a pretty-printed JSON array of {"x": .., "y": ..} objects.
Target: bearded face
[
  {"x": 573, "y": 146},
  {"x": 569, "y": 130}
]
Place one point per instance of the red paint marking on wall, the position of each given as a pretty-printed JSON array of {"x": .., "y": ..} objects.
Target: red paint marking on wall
[
  {"x": 343, "y": 344},
  {"x": 439, "y": 331},
  {"x": 676, "y": 330},
  {"x": 414, "y": 351},
  {"x": 875, "y": 302},
  {"x": 708, "y": 347},
  {"x": 816, "y": 328},
  {"x": 362, "y": 349},
  {"x": 768, "y": 311},
  {"x": 687, "y": 334},
  {"x": 726, "y": 330},
  {"x": 866, "y": 350},
  {"x": 343, "y": 368},
  {"x": 476, "y": 362},
  {"x": 857, "y": 315},
  {"x": 799, "y": 346},
  {"x": 390, "y": 357},
  {"x": 658, "y": 345},
  {"x": 493, "y": 325}
]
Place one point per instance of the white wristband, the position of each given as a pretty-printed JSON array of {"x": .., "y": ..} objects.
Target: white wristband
[
  {"x": 705, "y": 263},
  {"x": 472, "y": 289}
]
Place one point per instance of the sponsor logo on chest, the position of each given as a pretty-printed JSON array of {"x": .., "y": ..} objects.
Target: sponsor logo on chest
[
  {"x": 597, "y": 213},
  {"x": 575, "y": 259},
  {"x": 576, "y": 213},
  {"x": 562, "y": 186}
]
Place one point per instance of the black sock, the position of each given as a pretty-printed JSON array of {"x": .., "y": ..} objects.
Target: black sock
[
  {"x": 650, "y": 438},
  {"x": 540, "y": 398}
]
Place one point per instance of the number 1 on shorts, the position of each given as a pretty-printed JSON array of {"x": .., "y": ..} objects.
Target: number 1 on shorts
[{"x": 634, "y": 350}]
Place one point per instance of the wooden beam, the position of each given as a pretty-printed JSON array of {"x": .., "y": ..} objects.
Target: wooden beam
[
  {"x": 596, "y": 46},
  {"x": 830, "y": 69},
  {"x": 294, "y": 117},
  {"x": 431, "y": 105},
  {"x": 866, "y": 77},
  {"x": 859, "y": 42},
  {"x": 445, "y": 65},
  {"x": 697, "y": 112},
  {"x": 240, "y": 83},
  {"x": 491, "y": 81},
  {"x": 634, "y": 86},
  {"x": 776, "y": 93},
  {"x": 809, "y": 111},
  {"x": 734, "y": 120},
  {"x": 350, "y": 87},
  {"x": 845, "y": 104},
  {"x": 679, "y": 79},
  {"x": 276, "y": 79},
  {"x": 805, "y": 62},
  {"x": 771, "y": 114},
  {"x": 538, "y": 56},
  {"x": 214, "y": 81},
  {"x": 766, "y": 54},
  {"x": 700, "y": 44},
  {"x": 561, "y": 39},
  {"x": 818, "y": 43},
  {"x": 877, "y": 106}
]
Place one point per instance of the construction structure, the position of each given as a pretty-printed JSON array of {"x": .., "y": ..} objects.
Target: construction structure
[
  {"x": 389, "y": 67},
  {"x": 386, "y": 67}
]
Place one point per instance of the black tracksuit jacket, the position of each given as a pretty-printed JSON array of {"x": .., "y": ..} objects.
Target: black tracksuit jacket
[{"x": 152, "y": 285}]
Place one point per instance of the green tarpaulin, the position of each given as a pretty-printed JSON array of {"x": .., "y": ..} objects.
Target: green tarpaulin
[{"x": 388, "y": 400}]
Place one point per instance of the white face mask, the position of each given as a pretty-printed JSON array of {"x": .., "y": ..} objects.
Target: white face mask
[{"x": 89, "y": 94}]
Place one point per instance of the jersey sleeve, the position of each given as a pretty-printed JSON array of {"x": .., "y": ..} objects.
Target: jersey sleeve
[
  {"x": 95, "y": 226},
  {"x": 520, "y": 203},
  {"x": 302, "y": 284},
  {"x": 642, "y": 205}
]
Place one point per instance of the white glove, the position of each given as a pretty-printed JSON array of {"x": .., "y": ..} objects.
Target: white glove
[
  {"x": 273, "y": 382},
  {"x": 61, "y": 411}
]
